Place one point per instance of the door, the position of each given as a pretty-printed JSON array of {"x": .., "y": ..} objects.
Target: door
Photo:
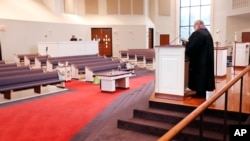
[
  {"x": 164, "y": 39},
  {"x": 150, "y": 38},
  {"x": 104, "y": 37},
  {"x": 245, "y": 36},
  {"x": 1, "y": 58}
]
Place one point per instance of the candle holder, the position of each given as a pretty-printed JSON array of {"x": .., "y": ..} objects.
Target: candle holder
[
  {"x": 234, "y": 57},
  {"x": 217, "y": 43}
]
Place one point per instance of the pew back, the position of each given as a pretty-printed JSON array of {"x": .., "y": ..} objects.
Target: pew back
[
  {"x": 5, "y": 69},
  {"x": 20, "y": 72}
]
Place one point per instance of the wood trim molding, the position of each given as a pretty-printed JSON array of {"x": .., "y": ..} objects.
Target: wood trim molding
[
  {"x": 220, "y": 48},
  {"x": 169, "y": 96}
]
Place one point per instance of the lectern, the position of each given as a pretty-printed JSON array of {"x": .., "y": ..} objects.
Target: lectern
[
  {"x": 240, "y": 54},
  {"x": 220, "y": 64},
  {"x": 170, "y": 75}
]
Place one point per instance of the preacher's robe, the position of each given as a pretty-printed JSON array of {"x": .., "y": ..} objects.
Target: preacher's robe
[{"x": 200, "y": 52}]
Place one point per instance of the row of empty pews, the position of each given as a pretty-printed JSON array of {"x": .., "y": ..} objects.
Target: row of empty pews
[
  {"x": 45, "y": 70},
  {"x": 139, "y": 57},
  {"x": 15, "y": 77},
  {"x": 74, "y": 66},
  {"x": 84, "y": 65},
  {"x": 24, "y": 59}
]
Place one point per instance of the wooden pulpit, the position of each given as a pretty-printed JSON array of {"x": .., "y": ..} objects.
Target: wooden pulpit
[{"x": 171, "y": 72}]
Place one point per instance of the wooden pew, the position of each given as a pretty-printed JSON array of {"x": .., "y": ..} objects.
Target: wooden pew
[
  {"x": 19, "y": 58},
  {"x": 20, "y": 72},
  {"x": 29, "y": 59},
  {"x": 40, "y": 61},
  {"x": 27, "y": 81},
  {"x": 87, "y": 57},
  {"x": 123, "y": 55},
  {"x": 80, "y": 67},
  {"x": 52, "y": 62},
  {"x": 2, "y": 62},
  {"x": 82, "y": 60},
  {"x": 141, "y": 57},
  {"x": 91, "y": 70},
  {"x": 8, "y": 65},
  {"x": 5, "y": 69},
  {"x": 150, "y": 61}
]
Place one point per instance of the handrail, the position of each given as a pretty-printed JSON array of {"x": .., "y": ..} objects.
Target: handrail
[{"x": 189, "y": 118}]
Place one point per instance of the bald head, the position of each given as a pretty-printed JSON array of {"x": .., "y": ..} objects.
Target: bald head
[{"x": 198, "y": 24}]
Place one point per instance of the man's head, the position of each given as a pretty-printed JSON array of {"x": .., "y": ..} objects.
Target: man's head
[{"x": 198, "y": 24}]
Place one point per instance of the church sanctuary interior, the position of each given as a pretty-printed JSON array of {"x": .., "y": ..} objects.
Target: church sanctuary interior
[{"x": 117, "y": 70}]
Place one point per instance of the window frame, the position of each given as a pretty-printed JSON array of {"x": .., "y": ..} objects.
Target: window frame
[{"x": 188, "y": 28}]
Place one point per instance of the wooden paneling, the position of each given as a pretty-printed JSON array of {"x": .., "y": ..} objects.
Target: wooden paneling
[
  {"x": 138, "y": 6},
  {"x": 112, "y": 6},
  {"x": 91, "y": 6},
  {"x": 80, "y": 5},
  {"x": 69, "y": 7},
  {"x": 125, "y": 7},
  {"x": 164, "y": 7}
]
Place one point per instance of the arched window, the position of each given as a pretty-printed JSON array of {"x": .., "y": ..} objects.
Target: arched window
[{"x": 192, "y": 10}]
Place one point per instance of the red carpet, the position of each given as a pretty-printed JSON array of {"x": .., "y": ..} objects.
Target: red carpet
[{"x": 58, "y": 117}]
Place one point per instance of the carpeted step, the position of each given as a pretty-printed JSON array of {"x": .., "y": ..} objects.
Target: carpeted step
[
  {"x": 159, "y": 117},
  {"x": 159, "y": 128},
  {"x": 173, "y": 117},
  {"x": 188, "y": 109}
]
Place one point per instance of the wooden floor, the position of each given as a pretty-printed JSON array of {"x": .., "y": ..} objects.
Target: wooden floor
[{"x": 233, "y": 93}]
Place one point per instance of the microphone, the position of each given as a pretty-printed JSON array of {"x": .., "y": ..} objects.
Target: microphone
[{"x": 174, "y": 39}]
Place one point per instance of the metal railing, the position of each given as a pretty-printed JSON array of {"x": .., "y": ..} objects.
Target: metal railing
[{"x": 200, "y": 109}]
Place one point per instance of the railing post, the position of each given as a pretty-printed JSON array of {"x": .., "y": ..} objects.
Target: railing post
[
  {"x": 240, "y": 105},
  {"x": 225, "y": 116},
  {"x": 201, "y": 126}
]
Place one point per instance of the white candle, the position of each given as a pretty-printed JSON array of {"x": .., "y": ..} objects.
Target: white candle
[{"x": 235, "y": 36}]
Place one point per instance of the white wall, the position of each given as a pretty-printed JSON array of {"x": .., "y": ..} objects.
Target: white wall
[
  {"x": 21, "y": 37},
  {"x": 25, "y": 27},
  {"x": 229, "y": 21},
  {"x": 164, "y": 24},
  {"x": 24, "y": 30},
  {"x": 237, "y": 24},
  {"x": 218, "y": 22}
]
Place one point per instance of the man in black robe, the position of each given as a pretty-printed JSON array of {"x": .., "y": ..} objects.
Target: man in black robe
[{"x": 200, "y": 52}]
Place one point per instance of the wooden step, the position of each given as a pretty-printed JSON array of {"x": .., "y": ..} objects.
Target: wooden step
[
  {"x": 188, "y": 109},
  {"x": 158, "y": 129},
  {"x": 172, "y": 117}
]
